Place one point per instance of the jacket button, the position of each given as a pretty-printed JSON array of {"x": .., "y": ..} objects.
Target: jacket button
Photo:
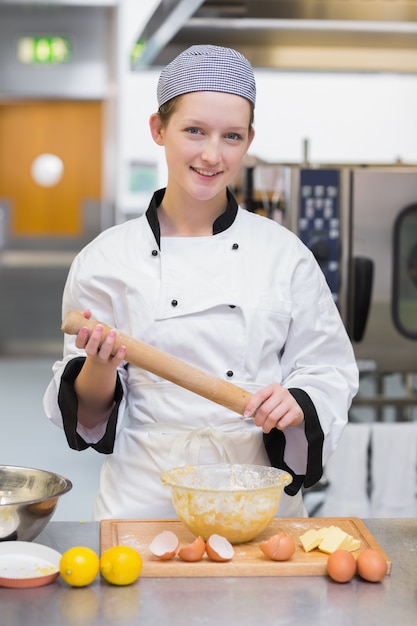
[
  {"x": 229, "y": 373},
  {"x": 235, "y": 246},
  {"x": 154, "y": 252},
  {"x": 174, "y": 302}
]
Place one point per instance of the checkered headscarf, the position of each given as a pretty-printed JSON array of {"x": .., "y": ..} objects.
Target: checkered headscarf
[{"x": 207, "y": 68}]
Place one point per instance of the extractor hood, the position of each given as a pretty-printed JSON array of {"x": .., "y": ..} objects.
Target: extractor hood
[{"x": 333, "y": 35}]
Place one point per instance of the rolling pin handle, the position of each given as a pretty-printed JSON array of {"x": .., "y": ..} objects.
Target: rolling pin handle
[{"x": 72, "y": 322}]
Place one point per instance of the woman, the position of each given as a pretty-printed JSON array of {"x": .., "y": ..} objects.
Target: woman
[{"x": 230, "y": 292}]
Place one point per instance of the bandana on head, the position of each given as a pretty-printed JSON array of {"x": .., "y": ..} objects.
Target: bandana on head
[{"x": 207, "y": 68}]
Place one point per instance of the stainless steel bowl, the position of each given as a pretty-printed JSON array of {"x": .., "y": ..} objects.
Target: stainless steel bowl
[
  {"x": 236, "y": 501},
  {"x": 28, "y": 499}
]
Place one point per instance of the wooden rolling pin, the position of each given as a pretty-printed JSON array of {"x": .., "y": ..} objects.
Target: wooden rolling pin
[{"x": 166, "y": 366}]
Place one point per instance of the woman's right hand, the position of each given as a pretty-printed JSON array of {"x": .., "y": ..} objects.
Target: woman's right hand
[
  {"x": 96, "y": 382},
  {"x": 98, "y": 349}
]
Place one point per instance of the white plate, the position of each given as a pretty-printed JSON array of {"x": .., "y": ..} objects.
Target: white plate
[{"x": 26, "y": 564}]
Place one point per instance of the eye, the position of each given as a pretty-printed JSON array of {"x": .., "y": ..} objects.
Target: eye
[
  {"x": 234, "y": 136},
  {"x": 193, "y": 130}
]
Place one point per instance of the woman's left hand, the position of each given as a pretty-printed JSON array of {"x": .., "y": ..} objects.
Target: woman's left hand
[{"x": 277, "y": 408}]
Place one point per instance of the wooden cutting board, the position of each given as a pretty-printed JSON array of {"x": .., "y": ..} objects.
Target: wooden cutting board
[{"x": 248, "y": 559}]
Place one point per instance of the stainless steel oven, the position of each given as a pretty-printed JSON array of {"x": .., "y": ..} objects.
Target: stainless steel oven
[{"x": 360, "y": 221}]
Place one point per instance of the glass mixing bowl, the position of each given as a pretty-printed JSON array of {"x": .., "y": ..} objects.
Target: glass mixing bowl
[{"x": 235, "y": 501}]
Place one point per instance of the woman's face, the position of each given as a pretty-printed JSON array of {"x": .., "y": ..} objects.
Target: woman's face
[{"x": 205, "y": 141}]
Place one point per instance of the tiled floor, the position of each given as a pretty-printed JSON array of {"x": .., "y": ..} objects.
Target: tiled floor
[{"x": 27, "y": 438}]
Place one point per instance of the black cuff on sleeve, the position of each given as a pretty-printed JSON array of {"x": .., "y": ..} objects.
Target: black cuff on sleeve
[
  {"x": 68, "y": 403},
  {"x": 274, "y": 443}
]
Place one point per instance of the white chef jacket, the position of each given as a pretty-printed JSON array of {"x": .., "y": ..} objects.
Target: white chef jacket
[{"x": 248, "y": 304}]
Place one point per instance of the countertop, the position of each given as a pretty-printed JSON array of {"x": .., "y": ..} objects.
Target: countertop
[{"x": 270, "y": 601}]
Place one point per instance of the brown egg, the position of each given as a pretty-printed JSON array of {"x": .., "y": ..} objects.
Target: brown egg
[
  {"x": 194, "y": 551},
  {"x": 341, "y": 566},
  {"x": 371, "y": 566},
  {"x": 219, "y": 549},
  {"x": 279, "y": 547},
  {"x": 165, "y": 545}
]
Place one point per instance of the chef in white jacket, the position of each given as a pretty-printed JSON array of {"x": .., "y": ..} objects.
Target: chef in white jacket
[{"x": 230, "y": 292}]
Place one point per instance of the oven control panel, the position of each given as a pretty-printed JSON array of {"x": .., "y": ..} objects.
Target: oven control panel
[{"x": 319, "y": 221}]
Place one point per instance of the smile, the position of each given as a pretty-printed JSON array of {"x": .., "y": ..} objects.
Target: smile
[{"x": 207, "y": 173}]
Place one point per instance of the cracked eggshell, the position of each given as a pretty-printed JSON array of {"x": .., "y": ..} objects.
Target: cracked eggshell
[
  {"x": 165, "y": 545},
  {"x": 219, "y": 549},
  {"x": 279, "y": 547},
  {"x": 193, "y": 551}
]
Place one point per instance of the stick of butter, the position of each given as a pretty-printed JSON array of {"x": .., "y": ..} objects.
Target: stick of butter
[
  {"x": 333, "y": 540},
  {"x": 312, "y": 538},
  {"x": 350, "y": 543},
  {"x": 328, "y": 539}
]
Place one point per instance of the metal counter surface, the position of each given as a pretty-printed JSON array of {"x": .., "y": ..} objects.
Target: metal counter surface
[{"x": 314, "y": 600}]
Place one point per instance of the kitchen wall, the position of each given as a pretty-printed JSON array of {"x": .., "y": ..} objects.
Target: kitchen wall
[
  {"x": 87, "y": 74},
  {"x": 347, "y": 117}
]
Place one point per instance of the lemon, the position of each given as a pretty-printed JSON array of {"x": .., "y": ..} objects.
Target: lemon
[
  {"x": 79, "y": 566},
  {"x": 121, "y": 565}
]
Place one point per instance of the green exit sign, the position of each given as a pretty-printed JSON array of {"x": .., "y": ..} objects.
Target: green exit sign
[{"x": 44, "y": 50}]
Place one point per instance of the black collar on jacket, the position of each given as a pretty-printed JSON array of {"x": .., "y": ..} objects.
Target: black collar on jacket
[{"x": 224, "y": 221}]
